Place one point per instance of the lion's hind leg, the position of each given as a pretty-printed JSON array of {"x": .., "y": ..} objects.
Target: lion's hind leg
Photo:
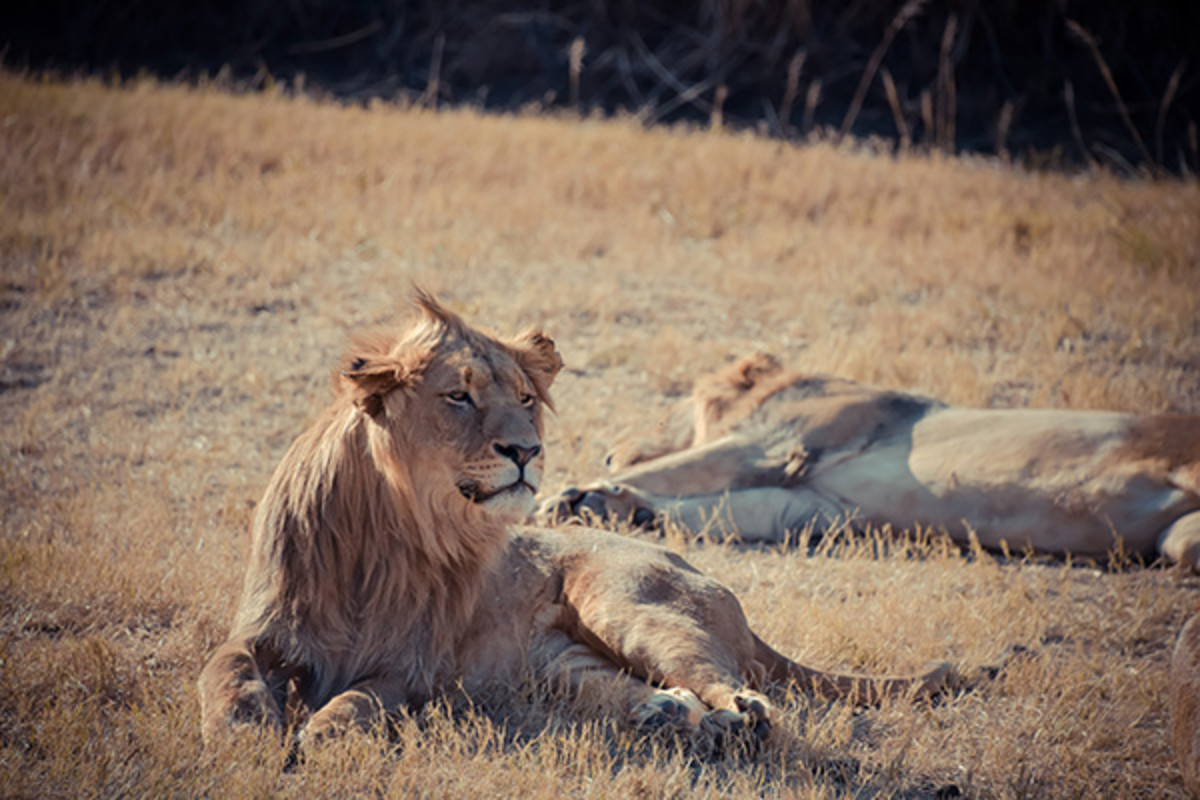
[
  {"x": 591, "y": 679},
  {"x": 687, "y": 634},
  {"x": 656, "y": 710},
  {"x": 234, "y": 692}
]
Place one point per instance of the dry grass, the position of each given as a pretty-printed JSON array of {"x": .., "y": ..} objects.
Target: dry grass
[{"x": 180, "y": 269}]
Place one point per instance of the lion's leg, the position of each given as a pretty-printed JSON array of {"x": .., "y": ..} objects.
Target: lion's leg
[
  {"x": 1184, "y": 701},
  {"x": 694, "y": 643},
  {"x": 731, "y": 462},
  {"x": 588, "y": 676},
  {"x": 753, "y": 515},
  {"x": 234, "y": 691},
  {"x": 1180, "y": 542},
  {"x": 594, "y": 679}
]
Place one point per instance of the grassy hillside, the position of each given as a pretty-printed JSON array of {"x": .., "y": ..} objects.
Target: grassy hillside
[{"x": 181, "y": 268}]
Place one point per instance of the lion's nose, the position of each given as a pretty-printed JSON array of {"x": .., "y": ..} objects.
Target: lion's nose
[{"x": 518, "y": 454}]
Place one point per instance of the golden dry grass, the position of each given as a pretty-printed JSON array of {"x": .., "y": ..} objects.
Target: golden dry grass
[{"x": 180, "y": 270}]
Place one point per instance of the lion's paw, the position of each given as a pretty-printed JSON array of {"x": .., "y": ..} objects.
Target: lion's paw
[
  {"x": 559, "y": 508},
  {"x": 674, "y": 709},
  {"x": 605, "y": 503},
  {"x": 246, "y": 706},
  {"x": 726, "y": 732}
]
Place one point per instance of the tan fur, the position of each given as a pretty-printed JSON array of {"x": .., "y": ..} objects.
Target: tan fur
[
  {"x": 772, "y": 453},
  {"x": 1183, "y": 695},
  {"x": 383, "y": 570}
]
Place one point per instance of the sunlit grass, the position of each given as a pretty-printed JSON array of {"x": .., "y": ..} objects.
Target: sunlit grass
[{"x": 180, "y": 270}]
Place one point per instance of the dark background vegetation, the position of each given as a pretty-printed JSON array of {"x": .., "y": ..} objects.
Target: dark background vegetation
[{"x": 1050, "y": 82}]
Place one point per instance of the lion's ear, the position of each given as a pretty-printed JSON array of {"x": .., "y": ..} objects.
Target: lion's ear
[
  {"x": 369, "y": 380},
  {"x": 753, "y": 368},
  {"x": 540, "y": 359},
  {"x": 370, "y": 371}
]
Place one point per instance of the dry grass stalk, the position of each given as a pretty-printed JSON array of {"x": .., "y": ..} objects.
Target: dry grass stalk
[
  {"x": 1102, "y": 65},
  {"x": 927, "y": 116},
  {"x": 433, "y": 88},
  {"x": 893, "y": 97},
  {"x": 336, "y": 42},
  {"x": 717, "y": 117},
  {"x": 575, "y": 67},
  {"x": 684, "y": 95},
  {"x": 791, "y": 88},
  {"x": 906, "y": 13},
  {"x": 1167, "y": 99},
  {"x": 1002, "y": 126},
  {"x": 811, "y": 98},
  {"x": 1069, "y": 100},
  {"x": 947, "y": 92}
]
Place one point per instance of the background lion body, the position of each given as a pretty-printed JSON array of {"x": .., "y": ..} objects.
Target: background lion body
[{"x": 773, "y": 453}]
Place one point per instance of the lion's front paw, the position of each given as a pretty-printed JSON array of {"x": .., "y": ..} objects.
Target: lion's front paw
[
  {"x": 606, "y": 503},
  {"x": 559, "y": 508},
  {"x": 351, "y": 711},
  {"x": 245, "y": 706}
]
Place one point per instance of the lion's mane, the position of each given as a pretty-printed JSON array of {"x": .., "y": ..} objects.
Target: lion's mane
[{"x": 362, "y": 548}]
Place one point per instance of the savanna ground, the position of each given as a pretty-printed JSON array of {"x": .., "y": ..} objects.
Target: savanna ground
[{"x": 181, "y": 267}]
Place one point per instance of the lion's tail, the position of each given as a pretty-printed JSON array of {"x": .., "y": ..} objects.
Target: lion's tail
[{"x": 865, "y": 689}]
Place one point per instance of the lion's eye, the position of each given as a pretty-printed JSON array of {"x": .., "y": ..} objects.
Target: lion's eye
[
  {"x": 527, "y": 399},
  {"x": 459, "y": 398}
]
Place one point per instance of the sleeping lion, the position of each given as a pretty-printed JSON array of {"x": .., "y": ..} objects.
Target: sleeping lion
[
  {"x": 383, "y": 568},
  {"x": 763, "y": 454}
]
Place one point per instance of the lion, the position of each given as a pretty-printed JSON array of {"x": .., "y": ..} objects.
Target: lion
[
  {"x": 387, "y": 567},
  {"x": 765, "y": 454},
  {"x": 1183, "y": 696}
]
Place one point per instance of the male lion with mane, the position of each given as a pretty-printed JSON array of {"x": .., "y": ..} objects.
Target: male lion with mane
[
  {"x": 383, "y": 568},
  {"x": 763, "y": 453}
]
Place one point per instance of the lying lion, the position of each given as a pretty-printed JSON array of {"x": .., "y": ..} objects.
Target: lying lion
[
  {"x": 1183, "y": 689},
  {"x": 383, "y": 569},
  {"x": 763, "y": 454}
]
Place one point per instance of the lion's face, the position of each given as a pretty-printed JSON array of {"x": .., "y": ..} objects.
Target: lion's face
[
  {"x": 468, "y": 408},
  {"x": 486, "y": 416}
]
